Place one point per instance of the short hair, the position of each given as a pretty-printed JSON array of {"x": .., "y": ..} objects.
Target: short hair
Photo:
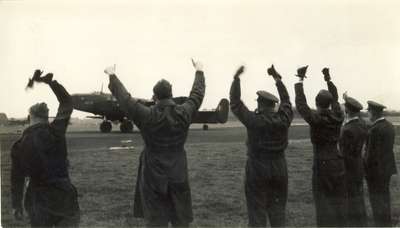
[
  {"x": 39, "y": 110},
  {"x": 162, "y": 89},
  {"x": 266, "y": 102},
  {"x": 324, "y": 99}
]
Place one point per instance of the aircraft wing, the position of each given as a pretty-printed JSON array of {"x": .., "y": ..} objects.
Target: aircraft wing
[
  {"x": 219, "y": 115},
  {"x": 105, "y": 106}
]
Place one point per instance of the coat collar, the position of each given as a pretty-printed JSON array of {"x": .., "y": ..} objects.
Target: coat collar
[
  {"x": 349, "y": 120},
  {"x": 323, "y": 110},
  {"x": 378, "y": 120},
  {"x": 35, "y": 126},
  {"x": 166, "y": 102},
  {"x": 264, "y": 112}
]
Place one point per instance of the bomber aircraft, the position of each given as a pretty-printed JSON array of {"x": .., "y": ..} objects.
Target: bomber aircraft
[{"x": 105, "y": 106}]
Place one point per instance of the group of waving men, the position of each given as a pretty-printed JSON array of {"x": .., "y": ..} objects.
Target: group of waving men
[{"x": 345, "y": 150}]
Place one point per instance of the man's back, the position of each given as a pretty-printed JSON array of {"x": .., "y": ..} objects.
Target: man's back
[
  {"x": 42, "y": 154},
  {"x": 268, "y": 134},
  {"x": 324, "y": 124},
  {"x": 352, "y": 139},
  {"x": 325, "y": 128},
  {"x": 267, "y": 131},
  {"x": 379, "y": 151},
  {"x": 165, "y": 133},
  {"x": 162, "y": 192}
]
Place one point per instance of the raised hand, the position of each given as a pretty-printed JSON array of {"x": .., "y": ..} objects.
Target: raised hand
[
  {"x": 239, "y": 71},
  {"x": 37, "y": 74},
  {"x": 46, "y": 79},
  {"x": 327, "y": 76},
  {"x": 345, "y": 95},
  {"x": 271, "y": 71},
  {"x": 110, "y": 70},
  {"x": 301, "y": 72},
  {"x": 37, "y": 78},
  {"x": 197, "y": 65}
]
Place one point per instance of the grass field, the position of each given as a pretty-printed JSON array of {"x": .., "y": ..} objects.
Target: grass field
[{"x": 106, "y": 178}]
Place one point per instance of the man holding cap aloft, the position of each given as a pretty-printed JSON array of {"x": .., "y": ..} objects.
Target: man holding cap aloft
[
  {"x": 266, "y": 181},
  {"x": 328, "y": 181}
]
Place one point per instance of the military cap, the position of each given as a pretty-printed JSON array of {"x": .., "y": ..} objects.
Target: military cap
[
  {"x": 163, "y": 89},
  {"x": 324, "y": 98},
  {"x": 301, "y": 72},
  {"x": 264, "y": 95},
  {"x": 39, "y": 110},
  {"x": 372, "y": 105},
  {"x": 352, "y": 104}
]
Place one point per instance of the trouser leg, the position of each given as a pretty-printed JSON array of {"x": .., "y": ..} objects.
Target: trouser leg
[
  {"x": 330, "y": 203},
  {"x": 379, "y": 196},
  {"x": 330, "y": 195},
  {"x": 255, "y": 190},
  {"x": 256, "y": 207},
  {"x": 356, "y": 206},
  {"x": 276, "y": 200},
  {"x": 319, "y": 201},
  {"x": 40, "y": 219},
  {"x": 155, "y": 207},
  {"x": 181, "y": 214},
  {"x": 338, "y": 200},
  {"x": 71, "y": 221}
]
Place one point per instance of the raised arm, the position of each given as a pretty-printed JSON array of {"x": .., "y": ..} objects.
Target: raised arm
[
  {"x": 333, "y": 90},
  {"x": 136, "y": 111},
  {"x": 285, "y": 107},
  {"x": 193, "y": 103},
  {"x": 237, "y": 106},
  {"x": 300, "y": 100},
  {"x": 65, "y": 108}
]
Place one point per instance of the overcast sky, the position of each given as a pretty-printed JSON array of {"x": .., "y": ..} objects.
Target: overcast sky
[{"x": 150, "y": 40}]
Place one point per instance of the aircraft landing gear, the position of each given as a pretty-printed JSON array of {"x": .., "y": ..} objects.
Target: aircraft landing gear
[
  {"x": 126, "y": 126},
  {"x": 105, "y": 126},
  {"x": 205, "y": 127}
]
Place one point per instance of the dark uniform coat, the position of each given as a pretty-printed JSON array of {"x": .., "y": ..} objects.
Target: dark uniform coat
[
  {"x": 328, "y": 170},
  {"x": 266, "y": 171},
  {"x": 41, "y": 155},
  {"x": 352, "y": 140},
  {"x": 380, "y": 166},
  {"x": 162, "y": 190}
]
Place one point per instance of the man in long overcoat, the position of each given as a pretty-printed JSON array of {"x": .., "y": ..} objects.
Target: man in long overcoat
[
  {"x": 351, "y": 143},
  {"x": 328, "y": 181},
  {"x": 380, "y": 163},
  {"x": 162, "y": 192}
]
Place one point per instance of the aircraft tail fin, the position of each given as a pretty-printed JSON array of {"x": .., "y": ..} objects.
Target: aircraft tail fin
[{"x": 222, "y": 110}]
